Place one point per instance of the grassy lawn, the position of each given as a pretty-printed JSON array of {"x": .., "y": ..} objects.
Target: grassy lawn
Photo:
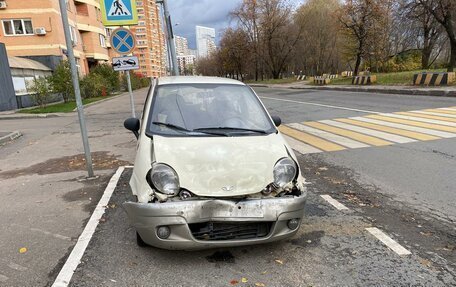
[
  {"x": 389, "y": 79},
  {"x": 60, "y": 108},
  {"x": 273, "y": 81}
]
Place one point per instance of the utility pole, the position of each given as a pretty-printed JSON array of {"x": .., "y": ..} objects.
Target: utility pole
[
  {"x": 170, "y": 36},
  {"x": 77, "y": 91}
]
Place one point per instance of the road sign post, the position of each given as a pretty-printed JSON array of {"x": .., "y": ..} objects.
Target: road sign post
[
  {"x": 170, "y": 36},
  {"x": 123, "y": 42},
  {"x": 77, "y": 91}
]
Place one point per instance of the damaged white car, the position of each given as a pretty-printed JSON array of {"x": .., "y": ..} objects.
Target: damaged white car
[{"x": 211, "y": 169}]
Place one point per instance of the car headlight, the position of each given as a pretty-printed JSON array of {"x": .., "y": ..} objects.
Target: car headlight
[
  {"x": 284, "y": 171},
  {"x": 165, "y": 179}
]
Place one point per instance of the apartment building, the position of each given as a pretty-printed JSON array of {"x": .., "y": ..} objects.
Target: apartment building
[
  {"x": 33, "y": 29},
  {"x": 205, "y": 41},
  {"x": 181, "y": 45},
  {"x": 150, "y": 39}
]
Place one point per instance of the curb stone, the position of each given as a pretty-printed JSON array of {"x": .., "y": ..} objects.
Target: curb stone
[
  {"x": 10, "y": 137},
  {"x": 416, "y": 92}
]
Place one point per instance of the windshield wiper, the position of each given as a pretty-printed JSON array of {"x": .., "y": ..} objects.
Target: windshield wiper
[
  {"x": 172, "y": 126},
  {"x": 179, "y": 128},
  {"x": 232, "y": 128}
]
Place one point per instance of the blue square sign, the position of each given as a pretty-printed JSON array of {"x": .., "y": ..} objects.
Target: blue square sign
[{"x": 119, "y": 12}]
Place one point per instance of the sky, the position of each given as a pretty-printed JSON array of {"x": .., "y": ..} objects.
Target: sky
[{"x": 209, "y": 13}]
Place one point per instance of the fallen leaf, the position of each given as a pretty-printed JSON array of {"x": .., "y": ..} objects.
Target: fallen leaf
[
  {"x": 22, "y": 250},
  {"x": 102, "y": 219},
  {"x": 259, "y": 284},
  {"x": 244, "y": 280},
  {"x": 323, "y": 168},
  {"x": 279, "y": 261},
  {"x": 234, "y": 282}
]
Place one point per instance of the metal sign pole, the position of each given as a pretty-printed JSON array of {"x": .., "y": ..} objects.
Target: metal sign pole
[
  {"x": 77, "y": 91},
  {"x": 132, "y": 101}
]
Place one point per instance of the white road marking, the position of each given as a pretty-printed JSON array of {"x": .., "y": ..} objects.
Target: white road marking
[
  {"x": 448, "y": 109},
  {"x": 299, "y": 146},
  {"x": 388, "y": 241},
  {"x": 65, "y": 274},
  {"x": 329, "y": 136},
  {"x": 322, "y": 105},
  {"x": 17, "y": 267},
  {"x": 3, "y": 278},
  {"x": 379, "y": 134},
  {"x": 333, "y": 202},
  {"x": 434, "y": 114},
  {"x": 417, "y": 119},
  {"x": 129, "y": 166},
  {"x": 407, "y": 127}
]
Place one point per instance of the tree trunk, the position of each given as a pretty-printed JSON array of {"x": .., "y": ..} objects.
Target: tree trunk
[
  {"x": 357, "y": 64},
  {"x": 425, "y": 57},
  {"x": 452, "y": 63}
]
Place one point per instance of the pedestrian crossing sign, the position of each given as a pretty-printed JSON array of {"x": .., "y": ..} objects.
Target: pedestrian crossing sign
[{"x": 119, "y": 12}]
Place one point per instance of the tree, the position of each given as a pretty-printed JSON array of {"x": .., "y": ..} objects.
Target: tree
[
  {"x": 61, "y": 81},
  {"x": 235, "y": 52},
  {"x": 317, "y": 51},
  {"x": 444, "y": 12},
  {"x": 40, "y": 90},
  {"x": 359, "y": 19}
]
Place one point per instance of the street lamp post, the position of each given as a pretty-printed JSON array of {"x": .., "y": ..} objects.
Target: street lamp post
[
  {"x": 170, "y": 36},
  {"x": 77, "y": 91}
]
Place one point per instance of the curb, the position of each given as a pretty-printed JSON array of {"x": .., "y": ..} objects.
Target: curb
[
  {"x": 414, "y": 92},
  {"x": 28, "y": 116},
  {"x": 10, "y": 137},
  {"x": 102, "y": 101}
]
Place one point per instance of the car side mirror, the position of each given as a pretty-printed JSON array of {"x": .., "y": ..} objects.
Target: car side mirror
[
  {"x": 132, "y": 124},
  {"x": 277, "y": 120}
]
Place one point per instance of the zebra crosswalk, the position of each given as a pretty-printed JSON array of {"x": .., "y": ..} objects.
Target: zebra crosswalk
[{"x": 380, "y": 129}]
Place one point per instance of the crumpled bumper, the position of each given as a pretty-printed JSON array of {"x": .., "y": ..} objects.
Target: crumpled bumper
[{"x": 147, "y": 217}]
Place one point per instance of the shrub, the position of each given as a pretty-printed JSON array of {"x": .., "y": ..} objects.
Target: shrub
[
  {"x": 94, "y": 85},
  {"x": 137, "y": 81},
  {"x": 40, "y": 90},
  {"x": 110, "y": 77},
  {"x": 61, "y": 81}
]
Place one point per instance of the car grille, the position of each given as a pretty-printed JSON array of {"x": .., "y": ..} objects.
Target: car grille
[{"x": 212, "y": 231}]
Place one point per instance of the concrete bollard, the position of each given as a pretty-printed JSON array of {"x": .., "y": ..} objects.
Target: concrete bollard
[
  {"x": 434, "y": 79},
  {"x": 364, "y": 80}
]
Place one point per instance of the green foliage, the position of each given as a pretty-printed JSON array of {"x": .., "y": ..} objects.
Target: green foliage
[
  {"x": 110, "y": 76},
  {"x": 94, "y": 85},
  {"x": 40, "y": 90},
  {"x": 61, "y": 81},
  {"x": 60, "y": 107},
  {"x": 138, "y": 81},
  {"x": 407, "y": 61}
]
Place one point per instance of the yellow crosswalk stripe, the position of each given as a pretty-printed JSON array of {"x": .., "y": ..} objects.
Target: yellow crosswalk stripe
[
  {"x": 414, "y": 123},
  {"x": 441, "y": 111},
  {"x": 349, "y": 134},
  {"x": 310, "y": 139},
  {"x": 412, "y": 114},
  {"x": 410, "y": 134}
]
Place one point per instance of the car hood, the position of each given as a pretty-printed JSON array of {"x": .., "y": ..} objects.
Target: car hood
[{"x": 221, "y": 166}]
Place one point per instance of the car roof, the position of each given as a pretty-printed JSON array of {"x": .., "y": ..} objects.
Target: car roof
[{"x": 196, "y": 80}]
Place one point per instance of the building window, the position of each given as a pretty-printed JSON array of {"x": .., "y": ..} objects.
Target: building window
[
  {"x": 16, "y": 27},
  {"x": 102, "y": 41},
  {"x": 73, "y": 36}
]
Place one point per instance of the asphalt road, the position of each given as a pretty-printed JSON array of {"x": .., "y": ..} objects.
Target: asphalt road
[{"x": 404, "y": 189}]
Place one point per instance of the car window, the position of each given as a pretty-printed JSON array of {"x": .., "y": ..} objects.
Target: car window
[{"x": 182, "y": 109}]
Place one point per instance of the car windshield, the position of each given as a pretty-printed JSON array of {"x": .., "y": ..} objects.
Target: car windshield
[{"x": 207, "y": 109}]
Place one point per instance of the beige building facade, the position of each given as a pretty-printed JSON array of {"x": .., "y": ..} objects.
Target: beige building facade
[{"x": 33, "y": 29}]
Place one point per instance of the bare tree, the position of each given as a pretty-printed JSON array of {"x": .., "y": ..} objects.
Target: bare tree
[
  {"x": 359, "y": 17},
  {"x": 444, "y": 12}
]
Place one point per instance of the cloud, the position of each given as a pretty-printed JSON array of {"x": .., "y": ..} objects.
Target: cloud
[{"x": 209, "y": 13}]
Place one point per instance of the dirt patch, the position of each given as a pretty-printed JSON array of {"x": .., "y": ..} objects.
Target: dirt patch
[
  {"x": 101, "y": 160},
  {"x": 90, "y": 193}
]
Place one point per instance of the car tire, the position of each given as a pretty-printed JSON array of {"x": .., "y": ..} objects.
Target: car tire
[{"x": 139, "y": 241}]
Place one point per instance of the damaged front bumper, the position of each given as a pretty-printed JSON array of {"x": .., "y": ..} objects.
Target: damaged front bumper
[{"x": 209, "y": 223}]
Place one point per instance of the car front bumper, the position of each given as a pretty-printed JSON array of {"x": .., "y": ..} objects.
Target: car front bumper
[{"x": 147, "y": 217}]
